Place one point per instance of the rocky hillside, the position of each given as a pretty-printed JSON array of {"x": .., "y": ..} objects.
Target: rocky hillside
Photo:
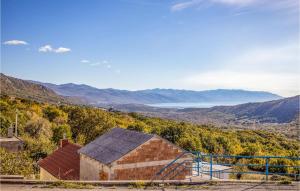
[{"x": 25, "y": 89}]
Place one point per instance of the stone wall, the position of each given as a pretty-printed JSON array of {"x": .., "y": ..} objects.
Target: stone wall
[
  {"x": 148, "y": 173},
  {"x": 148, "y": 159},
  {"x": 154, "y": 150}
]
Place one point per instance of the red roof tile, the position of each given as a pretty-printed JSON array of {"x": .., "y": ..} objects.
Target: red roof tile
[{"x": 63, "y": 163}]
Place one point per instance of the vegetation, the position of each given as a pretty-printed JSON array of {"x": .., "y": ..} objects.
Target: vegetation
[
  {"x": 42, "y": 125},
  {"x": 14, "y": 164}
]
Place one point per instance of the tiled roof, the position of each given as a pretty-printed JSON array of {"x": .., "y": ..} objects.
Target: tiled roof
[
  {"x": 63, "y": 163},
  {"x": 113, "y": 145}
]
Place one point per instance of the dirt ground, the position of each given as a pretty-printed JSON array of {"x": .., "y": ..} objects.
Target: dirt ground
[{"x": 223, "y": 187}]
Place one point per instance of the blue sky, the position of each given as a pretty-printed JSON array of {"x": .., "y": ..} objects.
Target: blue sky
[{"x": 141, "y": 44}]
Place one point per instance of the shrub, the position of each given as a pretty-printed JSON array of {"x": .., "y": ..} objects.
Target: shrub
[{"x": 18, "y": 163}]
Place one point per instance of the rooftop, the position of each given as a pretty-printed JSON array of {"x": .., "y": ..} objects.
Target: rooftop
[
  {"x": 63, "y": 163},
  {"x": 113, "y": 145}
]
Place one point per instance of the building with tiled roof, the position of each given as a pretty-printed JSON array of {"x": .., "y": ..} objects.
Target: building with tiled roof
[
  {"x": 122, "y": 154},
  {"x": 62, "y": 164}
]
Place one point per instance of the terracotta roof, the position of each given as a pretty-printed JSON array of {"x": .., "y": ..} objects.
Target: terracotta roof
[
  {"x": 63, "y": 163},
  {"x": 114, "y": 144}
]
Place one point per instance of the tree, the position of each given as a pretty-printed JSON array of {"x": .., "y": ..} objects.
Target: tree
[
  {"x": 59, "y": 131},
  {"x": 38, "y": 127},
  {"x": 54, "y": 114},
  {"x": 4, "y": 125},
  {"x": 89, "y": 122},
  {"x": 172, "y": 133}
]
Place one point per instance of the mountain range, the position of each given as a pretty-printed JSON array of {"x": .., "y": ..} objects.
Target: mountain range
[
  {"x": 99, "y": 97},
  {"x": 277, "y": 111}
]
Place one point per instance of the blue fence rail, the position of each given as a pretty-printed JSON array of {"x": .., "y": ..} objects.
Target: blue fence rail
[{"x": 265, "y": 165}]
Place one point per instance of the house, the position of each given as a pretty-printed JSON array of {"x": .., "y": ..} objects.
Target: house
[
  {"x": 62, "y": 164},
  {"x": 122, "y": 154}
]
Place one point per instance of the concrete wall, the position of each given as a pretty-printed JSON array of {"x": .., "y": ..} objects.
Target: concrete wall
[
  {"x": 44, "y": 175},
  {"x": 91, "y": 169},
  {"x": 11, "y": 144}
]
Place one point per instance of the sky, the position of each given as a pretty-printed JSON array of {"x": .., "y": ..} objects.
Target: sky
[{"x": 144, "y": 44}]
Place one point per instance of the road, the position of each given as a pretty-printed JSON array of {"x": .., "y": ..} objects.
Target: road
[{"x": 222, "y": 187}]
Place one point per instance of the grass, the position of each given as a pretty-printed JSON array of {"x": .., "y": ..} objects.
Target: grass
[
  {"x": 138, "y": 185},
  {"x": 68, "y": 185},
  {"x": 285, "y": 182}
]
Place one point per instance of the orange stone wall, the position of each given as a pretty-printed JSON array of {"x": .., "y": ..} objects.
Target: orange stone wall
[
  {"x": 153, "y": 155},
  {"x": 103, "y": 175},
  {"x": 148, "y": 173},
  {"x": 153, "y": 150}
]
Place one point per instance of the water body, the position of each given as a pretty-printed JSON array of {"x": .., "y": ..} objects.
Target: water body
[{"x": 194, "y": 105}]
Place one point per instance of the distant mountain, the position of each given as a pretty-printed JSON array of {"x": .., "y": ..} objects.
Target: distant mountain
[
  {"x": 278, "y": 115},
  {"x": 96, "y": 96},
  {"x": 277, "y": 111},
  {"x": 25, "y": 89}
]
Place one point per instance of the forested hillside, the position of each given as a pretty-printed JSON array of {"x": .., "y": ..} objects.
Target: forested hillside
[
  {"x": 25, "y": 89},
  {"x": 41, "y": 125}
]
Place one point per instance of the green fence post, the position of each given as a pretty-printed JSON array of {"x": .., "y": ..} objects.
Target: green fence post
[{"x": 267, "y": 168}]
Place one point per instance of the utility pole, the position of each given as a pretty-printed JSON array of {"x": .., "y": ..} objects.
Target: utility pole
[{"x": 16, "y": 123}]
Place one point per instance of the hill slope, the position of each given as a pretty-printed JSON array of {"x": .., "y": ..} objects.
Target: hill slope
[
  {"x": 25, "y": 89},
  {"x": 278, "y": 111}
]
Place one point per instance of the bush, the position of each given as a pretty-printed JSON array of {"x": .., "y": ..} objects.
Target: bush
[{"x": 18, "y": 163}]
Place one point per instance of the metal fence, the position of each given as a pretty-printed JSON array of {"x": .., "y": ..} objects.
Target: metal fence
[{"x": 217, "y": 166}]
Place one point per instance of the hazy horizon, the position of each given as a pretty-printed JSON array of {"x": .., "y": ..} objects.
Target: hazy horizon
[{"x": 142, "y": 44}]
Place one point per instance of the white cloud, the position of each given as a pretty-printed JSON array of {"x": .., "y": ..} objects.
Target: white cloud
[
  {"x": 275, "y": 69},
  {"x": 15, "y": 42},
  {"x": 104, "y": 63},
  {"x": 48, "y": 48},
  {"x": 62, "y": 50},
  {"x": 95, "y": 64},
  {"x": 272, "y": 4},
  {"x": 185, "y": 5},
  {"x": 85, "y": 61},
  {"x": 236, "y": 2}
]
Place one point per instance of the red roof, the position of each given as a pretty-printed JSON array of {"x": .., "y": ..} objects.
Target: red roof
[{"x": 63, "y": 163}]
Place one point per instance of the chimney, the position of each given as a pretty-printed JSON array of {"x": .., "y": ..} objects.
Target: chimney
[{"x": 63, "y": 143}]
